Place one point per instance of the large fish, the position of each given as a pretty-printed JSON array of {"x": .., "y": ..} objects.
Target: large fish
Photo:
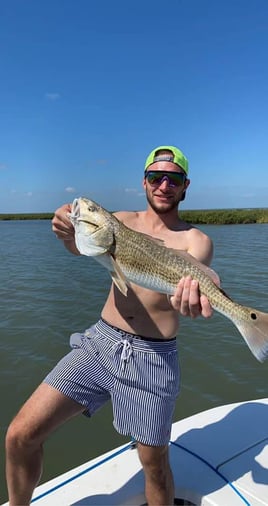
[{"x": 131, "y": 256}]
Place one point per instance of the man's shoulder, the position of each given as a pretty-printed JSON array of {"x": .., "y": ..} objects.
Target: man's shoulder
[
  {"x": 196, "y": 232},
  {"x": 197, "y": 235},
  {"x": 192, "y": 230},
  {"x": 122, "y": 214},
  {"x": 200, "y": 245},
  {"x": 128, "y": 217}
]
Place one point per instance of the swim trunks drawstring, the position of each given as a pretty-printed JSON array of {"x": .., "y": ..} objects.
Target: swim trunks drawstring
[{"x": 126, "y": 350}]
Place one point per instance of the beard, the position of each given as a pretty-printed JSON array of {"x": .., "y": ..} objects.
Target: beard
[{"x": 164, "y": 207}]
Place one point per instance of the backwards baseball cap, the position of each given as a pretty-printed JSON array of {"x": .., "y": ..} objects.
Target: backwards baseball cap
[{"x": 175, "y": 156}]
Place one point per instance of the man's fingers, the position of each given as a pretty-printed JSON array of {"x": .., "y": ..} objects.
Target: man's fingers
[
  {"x": 194, "y": 299},
  {"x": 188, "y": 300},
  {"x": 206, "y": 309},
  {"x": 61, "y": 224},
  {"x": 184, "y": 309}
]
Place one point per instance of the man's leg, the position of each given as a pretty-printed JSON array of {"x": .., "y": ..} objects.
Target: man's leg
[
  {"x": 159, "y": 485},
  {"x": 45, "y": 410}
]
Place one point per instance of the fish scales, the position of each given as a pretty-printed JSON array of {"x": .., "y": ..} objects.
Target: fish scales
[
  {"x": 162, "y": 268},
  {"x": 132, "y": 256},
  {"x": 153, "y": 263}
]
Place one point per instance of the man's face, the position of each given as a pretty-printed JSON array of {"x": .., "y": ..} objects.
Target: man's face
[{"x": 163, "y": 194}]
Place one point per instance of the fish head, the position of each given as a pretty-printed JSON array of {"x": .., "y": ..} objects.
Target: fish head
[{"x": 93, "y": 225}]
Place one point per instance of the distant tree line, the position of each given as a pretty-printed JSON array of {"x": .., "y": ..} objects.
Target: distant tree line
[
  {"x": 225, "y": 216},
  {"x": 27, "y": 216},
  {"x": 198, "y": 217}
]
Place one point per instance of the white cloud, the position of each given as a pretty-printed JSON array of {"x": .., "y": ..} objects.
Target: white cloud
[
  {"x": 70, "y": 189},
  {"x": 131, "y": 190},
  {"x": 52, "y": 96}
]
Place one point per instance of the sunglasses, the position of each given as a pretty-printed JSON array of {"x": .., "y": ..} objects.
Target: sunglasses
[{"x": 156, "y": 178}]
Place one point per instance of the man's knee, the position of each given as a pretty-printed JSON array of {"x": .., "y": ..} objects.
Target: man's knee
[
  {"x": 19, "y": 435},
  {"x": 154, "y": 459}
]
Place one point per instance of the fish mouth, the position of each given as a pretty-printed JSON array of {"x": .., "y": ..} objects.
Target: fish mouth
[
  {"x": 77, "y": 216},
  {"x": 75, "y": 209},
  {"x": 89, "y": 223}
]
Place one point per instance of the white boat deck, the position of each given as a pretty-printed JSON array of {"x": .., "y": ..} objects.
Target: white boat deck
[{"x": 219, "y": 458}]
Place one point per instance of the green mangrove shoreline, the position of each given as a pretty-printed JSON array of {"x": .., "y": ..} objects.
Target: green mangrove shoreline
[{"x": 197, "y": 217}]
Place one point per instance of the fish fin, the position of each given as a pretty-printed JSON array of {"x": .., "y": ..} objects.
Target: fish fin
[
  {"x": 119, "y": 278},
  {"x": 117, "y": 275},
  {"x": 255, "y": 332},
  {"x": 207, "y": 270},
  {"x": 106, "y": 260}
]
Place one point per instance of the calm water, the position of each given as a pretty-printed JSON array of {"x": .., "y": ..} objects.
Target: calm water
[{"x": 46, "y": 294}]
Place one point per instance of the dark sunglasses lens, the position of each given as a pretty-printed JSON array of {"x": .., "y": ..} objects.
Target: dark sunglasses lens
[
  {"x": 173, "y": 178},
  {"x": 154, "y": 177},
  {"x": 177, "y": 178}
]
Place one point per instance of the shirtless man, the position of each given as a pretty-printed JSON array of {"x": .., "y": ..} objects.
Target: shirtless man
[{"x": 135, "y": 333}]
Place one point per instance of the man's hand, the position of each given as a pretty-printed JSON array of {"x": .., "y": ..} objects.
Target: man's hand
[
  {"x": 188, "y": 300},
  {"x": 61, "y": 224},
  {"x": 63, "y": 228}
]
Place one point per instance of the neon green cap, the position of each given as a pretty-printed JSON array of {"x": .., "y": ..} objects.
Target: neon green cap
[{"x": 176, "y": 157}]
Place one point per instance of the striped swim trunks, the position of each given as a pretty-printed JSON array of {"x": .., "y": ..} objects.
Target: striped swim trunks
[{"x": 140, "y": 376}]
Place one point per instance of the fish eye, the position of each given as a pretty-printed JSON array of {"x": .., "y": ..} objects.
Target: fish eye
[{"x": 253, "y": 316}]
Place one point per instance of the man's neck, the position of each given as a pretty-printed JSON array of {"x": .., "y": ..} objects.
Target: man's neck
[{"x": 158, "y": 221}]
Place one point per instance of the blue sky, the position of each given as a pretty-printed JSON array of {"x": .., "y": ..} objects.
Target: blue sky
[{"x": 89, "y": 87}]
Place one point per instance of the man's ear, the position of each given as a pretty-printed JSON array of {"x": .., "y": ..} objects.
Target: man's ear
[
  {"x": 144, "y": 183},
  {"x": 186, "y": 184}
]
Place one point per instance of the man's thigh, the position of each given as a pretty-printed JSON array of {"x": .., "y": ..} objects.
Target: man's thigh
[{"x": 44, "y": 411}]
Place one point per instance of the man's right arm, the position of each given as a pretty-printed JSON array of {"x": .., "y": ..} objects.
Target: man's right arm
[{"x": 63, "y": 228}]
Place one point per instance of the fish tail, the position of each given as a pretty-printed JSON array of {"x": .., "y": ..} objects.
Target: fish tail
[{"x": 254, "y": 330}]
